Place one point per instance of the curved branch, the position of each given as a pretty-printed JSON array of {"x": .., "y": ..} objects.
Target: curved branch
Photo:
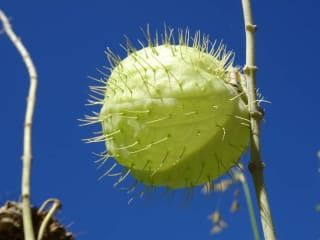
[
  {"x": 239, "y": 176},
  {"x": 55, "y": 206},
  {"x": 27, "y": 150}
]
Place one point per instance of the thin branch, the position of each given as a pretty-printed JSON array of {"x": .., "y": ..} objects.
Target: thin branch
[
  {"x": 27, "y": 153},
  {"x": 239, "y": 175},
  {"x": 55, "y": 206},
  {"x": 256, "y": 165}
]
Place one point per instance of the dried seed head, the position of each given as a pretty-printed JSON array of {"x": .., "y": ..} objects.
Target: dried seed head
[
  {"x": 235, "y": 206},
  {"x": 215, "y": 217},
  {"x": 218, "y": 223},
  {"x": 11, "y": 225}
]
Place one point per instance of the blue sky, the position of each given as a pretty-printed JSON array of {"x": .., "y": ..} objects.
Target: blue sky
[{"x": 67, "y": 40}]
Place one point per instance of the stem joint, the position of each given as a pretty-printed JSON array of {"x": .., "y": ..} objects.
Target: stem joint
[
  {"x": 257, "y": 115},
  {"x": 248, "y": 69},
  {"x": 251, "y": 28},
  {"x": 256, "y": 166}
]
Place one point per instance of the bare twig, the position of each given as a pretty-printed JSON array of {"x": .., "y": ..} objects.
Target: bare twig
[
  {"x": 256, "y": 164},
  {"x": 27, "y": 153},
  {"x": 55, "y": 206}
]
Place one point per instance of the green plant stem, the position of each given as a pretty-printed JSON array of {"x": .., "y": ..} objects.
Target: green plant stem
[
  {"x": 240, "y": 177},
  {"x": 27, "y": 153},
  {"x": 256, "y": 165}
]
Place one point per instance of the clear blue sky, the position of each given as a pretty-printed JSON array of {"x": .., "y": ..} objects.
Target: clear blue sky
[{"x": 67, "y": 39}]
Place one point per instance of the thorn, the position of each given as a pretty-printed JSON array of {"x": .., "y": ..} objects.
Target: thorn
[
  {"x": 122, "y": 178},
  {"x": 128, "y": 146},
  {"x": 107, "y": 172}
]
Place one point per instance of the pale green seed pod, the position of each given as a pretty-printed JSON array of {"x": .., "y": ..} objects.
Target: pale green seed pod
[{"x": 171, "y": 118}]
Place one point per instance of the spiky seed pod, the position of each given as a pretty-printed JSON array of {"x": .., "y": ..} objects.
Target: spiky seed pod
[{"x": 169, "y": 115}]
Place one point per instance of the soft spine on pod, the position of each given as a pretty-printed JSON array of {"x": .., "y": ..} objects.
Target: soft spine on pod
[{"x": 171, "y": 114}]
